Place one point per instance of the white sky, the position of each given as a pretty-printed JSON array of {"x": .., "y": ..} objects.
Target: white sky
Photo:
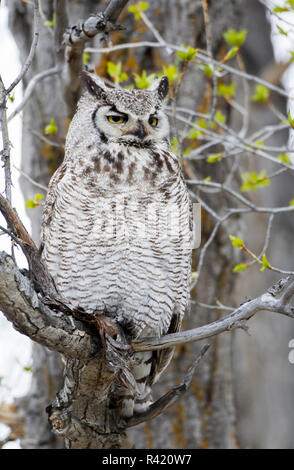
[{"x": 15, "y": 349}]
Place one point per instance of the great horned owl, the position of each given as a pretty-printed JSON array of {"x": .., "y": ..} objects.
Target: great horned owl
[{"x": 109, "y": 220}]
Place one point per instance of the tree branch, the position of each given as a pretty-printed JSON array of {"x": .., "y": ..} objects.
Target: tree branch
[
  {"x": 29, "y": 314},
  {"x": 237, "y": 319},
  {"x": 5, "y": 141},
  {"x": 30, "y": 88},
  {"x": 167, "y": 400},
  {"x": 30, "y": 57},
  {"x": 75, "y": 39}
]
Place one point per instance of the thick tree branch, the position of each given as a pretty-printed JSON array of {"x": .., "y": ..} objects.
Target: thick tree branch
[
  {"x": 75, "y": 39},
  {"x": 21, "y": 236},
  {"x": 30, "y": 315}
]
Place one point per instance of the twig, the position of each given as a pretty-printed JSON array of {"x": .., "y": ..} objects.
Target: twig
[
  {"x": 244, "y": 129},
  {"x": 45, "y": 139},
  {"x": 25, "y": 67},
  {"x": 268, "y": 7},
  {"x": 214, "y": 307},
  {"x": 154, "y": 30},
  {"x": 119, "y": 47},
  {"x": 33, "y": 182},
  {"x": 209, "y": 53},
  {"x": 5, "y": 141},
  {"x": 30, "y": 88},
  {"x": 201, "y": 55},
  {"x": 167, "y": 400}
]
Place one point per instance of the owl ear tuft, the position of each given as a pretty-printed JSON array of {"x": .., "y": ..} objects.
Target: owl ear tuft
[
  {"x": 95, "y": 86},
  {"x": 163, "y": 87}
]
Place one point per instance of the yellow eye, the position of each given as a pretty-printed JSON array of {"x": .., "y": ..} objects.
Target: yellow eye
[
  {"x": 116, "y": 119},
  {"x": 153, "y": 121}
]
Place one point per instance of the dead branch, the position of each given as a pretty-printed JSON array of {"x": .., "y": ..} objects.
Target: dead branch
[
  {"x": 75, "y": 38},
  {"x": 237, "y": 319},
  {"x": 171, "y": 397}
]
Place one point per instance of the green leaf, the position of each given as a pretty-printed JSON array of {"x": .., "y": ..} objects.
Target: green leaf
[
  {"x": 187, "y": 152},
  {"x": 236, "y": 242},
  {"x": 51, "y": 128},
  {"x": 187, "y": 55},
  {"x": 284, "y": 157},
  {"x": 282, "y": 31},
  {"x": 239, "y": 267},
  {"x": 290, "y": 3},
  {"x": 220, "y": 117},
  {"x": 226, "y": 90},
  {"x": 291, "y": 203},
  {"x": 235, "y": 38},
  {"x": 261, "y": 94},
  {"x": 136, "y": 9},
  {"x": 265, "y": 264},
  {"x": 174, "y": 144},
  {"x": 216, "y": 157},
  {"x": 194, "y": 134},
  {"x": 207, "y": 179},
  {"x": 27, "y": 369},
  {"x": 114, "y": 71},
  {"x": 11, "y": 98},
  {"x": 252, "y": 180},
  {"x": 280, "y": 9},
  {"x": 33, "y": 203},
  {"x": 51, "y": 23},
  {"x": 231, "y": 53},
  {"x": 208, "y": 70},
  {"x": 144, "y": 81},
  {"x": 86, "y": 58},
  {"x": 171, "y": 72},
  {"x": 290, "y": 120},
  {"x": 30, "y": 204}
]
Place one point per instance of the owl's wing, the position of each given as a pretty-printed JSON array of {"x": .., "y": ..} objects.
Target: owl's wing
[
  {"x": 161, "y": 359},
  {"x": 50, "y": 200}
]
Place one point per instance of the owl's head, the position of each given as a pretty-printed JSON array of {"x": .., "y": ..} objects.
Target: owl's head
[{"x": 130, "y": 117}]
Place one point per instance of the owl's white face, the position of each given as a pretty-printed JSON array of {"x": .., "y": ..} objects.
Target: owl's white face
[
  {"x": 129, "y": 117},
  {"x": 125, "y": 127}
]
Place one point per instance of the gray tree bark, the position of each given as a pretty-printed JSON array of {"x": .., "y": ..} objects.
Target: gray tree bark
[{"x": 207, "y": 417}]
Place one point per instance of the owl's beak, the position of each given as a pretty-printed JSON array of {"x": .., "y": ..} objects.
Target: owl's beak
[{"x": 138, "y": 131}]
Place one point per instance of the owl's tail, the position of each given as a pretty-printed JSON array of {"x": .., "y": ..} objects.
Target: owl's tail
[{"x": 140, "y": 398}]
